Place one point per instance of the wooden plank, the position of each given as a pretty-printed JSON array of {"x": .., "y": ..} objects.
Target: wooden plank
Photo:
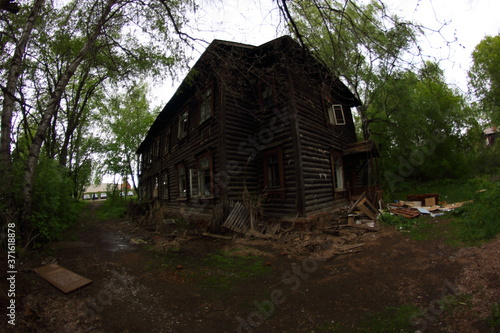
[
  {"x": 405, "y": 212},
  {"x": 367, "y": 208},
  {"x": 64, "y": 279},
  {"x": 361, "y": 197}
]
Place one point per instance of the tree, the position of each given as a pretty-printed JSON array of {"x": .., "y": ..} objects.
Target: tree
[
  {"x": 360, "y": 44},
  {"x": 484, "y": 77},
  {"x": 420, "y": 125},
  {"x": 94, "y": 41},
  {"x": 126, "y": 117}
]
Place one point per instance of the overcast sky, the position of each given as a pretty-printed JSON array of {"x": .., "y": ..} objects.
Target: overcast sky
[{"x": 256, "y": 22}]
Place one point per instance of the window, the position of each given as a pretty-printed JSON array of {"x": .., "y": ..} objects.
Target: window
[
  {"x": 206, "y": 104},
  {"x": 181, "y": 171},
  {"x": 155, "y": 188},
  {"x": 164, "y": 186},
  {"x": 156, "y": 148},
  {"x": 273, "y": 169},
  {"x": 201, "y": 178},
  {"x": 336, "y": 114},
  {"x": 183, "y": 124},
  {"x": 337, "y": 170},
  {"x": 266, "y": 95},
  {"x": 166, "y": 141}
]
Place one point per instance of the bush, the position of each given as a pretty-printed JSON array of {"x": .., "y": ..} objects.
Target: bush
[
  {"x": 479, "y": 220},
  {"x": 54, "y": 209}
]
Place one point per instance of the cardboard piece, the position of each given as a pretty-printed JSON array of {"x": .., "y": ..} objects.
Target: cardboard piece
[{"x": 64, "y": 279}]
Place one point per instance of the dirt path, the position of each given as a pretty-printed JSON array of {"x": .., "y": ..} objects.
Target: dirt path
[{"x": 182, "y": 282}]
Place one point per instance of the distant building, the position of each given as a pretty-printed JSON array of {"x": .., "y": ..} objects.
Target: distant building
[{"x": 490, "y": 135}]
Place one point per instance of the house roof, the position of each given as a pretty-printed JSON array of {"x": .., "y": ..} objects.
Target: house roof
[
  {"x": 221, "y": 50},
  {"x": 491, "y": 130}
]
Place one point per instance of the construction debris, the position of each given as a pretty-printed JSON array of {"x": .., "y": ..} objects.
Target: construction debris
[{"x": 64, "y": 279}]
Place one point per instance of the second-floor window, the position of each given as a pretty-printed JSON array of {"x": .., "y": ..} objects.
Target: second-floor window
[
  {"x": 183, "y": 124},
  {"x": 336, "y": 114},
  {"x": 206, "y": 105}
]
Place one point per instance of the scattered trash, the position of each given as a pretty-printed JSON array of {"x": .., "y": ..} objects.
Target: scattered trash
[{"x": 137, "y": 241}]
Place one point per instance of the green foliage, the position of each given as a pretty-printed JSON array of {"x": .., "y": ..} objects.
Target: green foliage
[
  {"x": 54, "y": 210},
  {"x": 113, "y": 208},
  {"x": 399, "y": 222},
  {"x": 419, "y": 122},
  {"x": 222, "y": 270},
  {"x": 493, "y": 319},
  {"x": 484, "y": 77},
  {"x": 479, "y": 220}
]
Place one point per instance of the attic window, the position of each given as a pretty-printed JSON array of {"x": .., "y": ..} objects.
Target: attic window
[
  {"x": 267, "y": 98},
  {"x": 336, "y": 114},
  {"x": 183, "y": 124},
  {"x": 206, "y": 104}
]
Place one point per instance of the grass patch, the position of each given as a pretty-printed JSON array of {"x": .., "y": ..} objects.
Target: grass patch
[
  {"x": 390, "y": 319},
  {"x": 493, "y": 319},
  {"x": 111, "y": 210},
  {"x": 479, "y": 220},
  {"x": 471, "y": 224},
  {"x": 222, "y": 270}
]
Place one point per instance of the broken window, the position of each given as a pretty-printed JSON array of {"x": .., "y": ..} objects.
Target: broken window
[
  {"x": 206, "y": 104},
  {"x": 336, "y": 114},
  {"x": 183, "y": 124}
]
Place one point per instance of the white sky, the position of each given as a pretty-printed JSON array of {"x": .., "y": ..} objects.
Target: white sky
[{"x": 464, "y": 23}]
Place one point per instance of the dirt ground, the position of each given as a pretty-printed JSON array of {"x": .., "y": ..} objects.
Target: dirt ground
[{"x": 144, "y": 281}]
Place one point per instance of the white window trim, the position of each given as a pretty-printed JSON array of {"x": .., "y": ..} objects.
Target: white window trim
[{"x": 332, "y": 116}]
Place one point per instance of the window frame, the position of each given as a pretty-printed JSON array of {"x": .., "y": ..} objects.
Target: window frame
[
  {"x": 281, "y": 173},
  {"x": 183, "y": 124},
  {"x": 166, "y": 141},
  {"x": 266, "y": 103},
  {"x": 206, "y": 103},
  {"x": 333, "y": 111},
  {"x": 181, "y": 180},
  {"x": 165, "y": 190},
  {"x": 337, "y": 163}
]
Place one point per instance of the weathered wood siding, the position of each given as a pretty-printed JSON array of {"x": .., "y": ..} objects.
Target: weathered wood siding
[{"x": 318, "y": 137}]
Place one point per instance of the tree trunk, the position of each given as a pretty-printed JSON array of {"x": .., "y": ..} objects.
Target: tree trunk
[
  {"x": 53, "y": 103},
  {"x": 9, "y": 102}
]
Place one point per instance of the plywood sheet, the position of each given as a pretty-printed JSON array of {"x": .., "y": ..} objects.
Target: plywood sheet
[{"x": 62, "y": 278}]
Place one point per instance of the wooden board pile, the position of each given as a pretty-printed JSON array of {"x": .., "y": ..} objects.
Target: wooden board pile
[
  {"x": 363, "y": 214},
  {"x": 418, "y": 204}
]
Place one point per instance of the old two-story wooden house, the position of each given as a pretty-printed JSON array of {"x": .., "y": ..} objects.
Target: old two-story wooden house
[{"x": 268, "y": 119}]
